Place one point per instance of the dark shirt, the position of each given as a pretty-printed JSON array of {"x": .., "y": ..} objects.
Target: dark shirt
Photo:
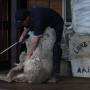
[{"x": 42, "y": 18}]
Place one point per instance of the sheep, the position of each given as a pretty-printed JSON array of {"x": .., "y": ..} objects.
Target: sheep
[{"x": 38, "y": 68}]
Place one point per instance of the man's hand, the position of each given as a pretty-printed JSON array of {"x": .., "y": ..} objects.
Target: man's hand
[{"x": 21, "y": 39}]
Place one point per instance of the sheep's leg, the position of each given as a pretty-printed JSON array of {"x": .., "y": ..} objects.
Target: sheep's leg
[
  {"x": 14, "y": 71},
  {"x": 3, "y": 77},
  {"x": 20, "y": 78}
]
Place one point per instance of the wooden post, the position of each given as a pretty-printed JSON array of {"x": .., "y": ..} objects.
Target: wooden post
[{"x": 13, "y": 31}]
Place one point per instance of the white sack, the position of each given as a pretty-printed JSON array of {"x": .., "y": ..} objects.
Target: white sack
[
  {"x": 81, "y": 67},
  {"x": 80, "y": 10}
]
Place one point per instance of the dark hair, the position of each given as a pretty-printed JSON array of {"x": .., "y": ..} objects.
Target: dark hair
[{"x": 21, "y": 15}]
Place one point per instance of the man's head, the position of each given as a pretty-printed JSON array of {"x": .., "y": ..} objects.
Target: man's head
[{"x": 22, "y": 18}]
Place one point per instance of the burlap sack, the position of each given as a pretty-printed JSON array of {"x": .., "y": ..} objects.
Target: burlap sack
[{"x": 79, "y": 46}]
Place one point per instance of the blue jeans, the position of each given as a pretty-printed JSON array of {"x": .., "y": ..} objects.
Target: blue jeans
[{"x": 57, "y": 51}]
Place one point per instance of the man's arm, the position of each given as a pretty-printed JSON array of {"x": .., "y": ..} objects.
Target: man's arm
[
  {"x": 34, "y": 43},
  {"x": 23, "y": 34}
]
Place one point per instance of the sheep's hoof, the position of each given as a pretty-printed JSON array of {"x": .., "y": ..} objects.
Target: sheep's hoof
[
  {"x": 4, "y": 78},
  {"x": 53, "y": 80}
]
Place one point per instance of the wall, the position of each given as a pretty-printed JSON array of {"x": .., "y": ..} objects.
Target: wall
[
  {"x": 4, "y": 33},
  {"x": 54, "y": 4}
]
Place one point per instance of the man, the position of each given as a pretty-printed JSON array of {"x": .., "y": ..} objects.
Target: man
[{"x": 37, "y": 19}]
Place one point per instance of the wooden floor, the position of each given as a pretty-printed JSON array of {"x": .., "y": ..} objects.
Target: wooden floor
[{"x": 64, "y": 84}]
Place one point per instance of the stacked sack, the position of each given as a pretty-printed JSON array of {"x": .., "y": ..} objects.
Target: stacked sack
[
  {"x": 79, "y": 43},
  {"x": 81, "y": 15}
]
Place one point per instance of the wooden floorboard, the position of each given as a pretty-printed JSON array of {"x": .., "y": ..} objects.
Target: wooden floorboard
[{"x": 64, "y": 84}]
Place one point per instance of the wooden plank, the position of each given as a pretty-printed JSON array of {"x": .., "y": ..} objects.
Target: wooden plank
[
  {"x": 56, "y": 5},
  {"x": 43, "y": 3}
]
